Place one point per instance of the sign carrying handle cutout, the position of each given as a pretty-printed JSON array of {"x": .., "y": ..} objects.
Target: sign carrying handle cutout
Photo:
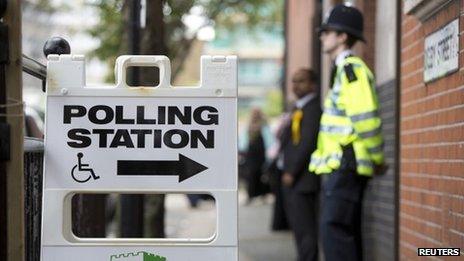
[{"x": 160, "y": 61}]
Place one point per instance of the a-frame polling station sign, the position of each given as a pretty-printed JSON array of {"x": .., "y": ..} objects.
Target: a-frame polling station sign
[{"x": 121, "y": 139}]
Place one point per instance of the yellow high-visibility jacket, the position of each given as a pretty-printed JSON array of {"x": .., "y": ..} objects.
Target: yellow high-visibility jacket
[{"x": 350, "y": 117}]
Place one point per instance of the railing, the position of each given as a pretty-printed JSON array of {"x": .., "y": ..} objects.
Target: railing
[
  {"x": 35, "y": 68},
  {"x": 55, "y": 45},
  {"x": 33, "y": 161},
  {"x": 33, "y": 170}
]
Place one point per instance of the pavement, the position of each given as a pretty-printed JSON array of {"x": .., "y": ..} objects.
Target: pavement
[{"x": 256, "y": 241}]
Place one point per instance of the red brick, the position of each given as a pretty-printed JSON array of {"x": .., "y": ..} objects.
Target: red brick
[
  {"x": 412, "y": 50},
  {"x": 433, "y": 214},
  {"x": 432, "y": 143},
  {"x": 422, "y": 197},
  {"x": 412, "y": 36},
  {"x": 456, "y": 240}
]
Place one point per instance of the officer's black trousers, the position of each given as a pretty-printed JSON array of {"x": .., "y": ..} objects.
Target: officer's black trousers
[
  {"x": 302, "y": 210},
  {"x": 341, "y": 214}
]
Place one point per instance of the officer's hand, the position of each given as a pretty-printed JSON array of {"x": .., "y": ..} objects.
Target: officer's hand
[
  {"x": 380, "y": 169},
  {"x": 287, "y": 179}
]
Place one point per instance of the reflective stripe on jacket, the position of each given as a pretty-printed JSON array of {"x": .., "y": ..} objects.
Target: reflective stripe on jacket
[{"x": 350, "y": 117}]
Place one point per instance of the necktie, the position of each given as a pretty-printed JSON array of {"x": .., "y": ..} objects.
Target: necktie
[{"x": 296, "y": 126}]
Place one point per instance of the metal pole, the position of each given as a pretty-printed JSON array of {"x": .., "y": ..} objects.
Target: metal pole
[
  {"x": 397, "y": 166},
  {"x": 134, "y": 38},
  {"x": 88, "y": 215},
  {"x": 35, "y": 69},
  {"x": 132, "y": 205}
]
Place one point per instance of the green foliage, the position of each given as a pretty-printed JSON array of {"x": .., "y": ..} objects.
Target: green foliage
[
  {"x": 110, "y": 31},
  {"x": 252, "y": 14},
  {"x": 224, "y": 14}
]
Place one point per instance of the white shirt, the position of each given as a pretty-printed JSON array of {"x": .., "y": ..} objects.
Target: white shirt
[
  {"x": 341, "y": 56},
  {"x": 301, "y": 102}
]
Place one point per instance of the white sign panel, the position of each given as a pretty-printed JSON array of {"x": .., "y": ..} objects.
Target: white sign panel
[
  {"x": 141, "y": 143},
  {"x": 441, "y": 55},
  {"x": 106, "y": 139}
]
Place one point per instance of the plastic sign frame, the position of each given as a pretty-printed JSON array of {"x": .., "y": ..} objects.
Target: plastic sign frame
[{"x": 149, "y": 140}]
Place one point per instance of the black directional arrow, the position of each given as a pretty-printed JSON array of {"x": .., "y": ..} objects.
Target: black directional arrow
[{"x": 184, "y": 168}]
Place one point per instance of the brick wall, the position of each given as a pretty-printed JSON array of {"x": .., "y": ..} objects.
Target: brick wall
[
  {"x": 432, "y": 143},
  {"x": 300, "y": 42},
  {"x": 367, "y": 50},
  {"x": 379, "y": 201}
]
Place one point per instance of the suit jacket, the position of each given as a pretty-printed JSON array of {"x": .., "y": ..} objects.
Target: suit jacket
[{"x": 297, "y": 157}]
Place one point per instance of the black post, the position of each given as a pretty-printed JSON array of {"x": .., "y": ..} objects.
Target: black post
[
  {"x": 89, "y": 215},
  {"x": 132, "y": 205},
  {"x": 4, "y": 135},
  {"x": 134, "y": 38}
]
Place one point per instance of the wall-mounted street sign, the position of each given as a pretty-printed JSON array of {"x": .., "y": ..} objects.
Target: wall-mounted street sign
[
  {"x": 121, "y": 139},
  {"x": 441, "y": 55}
]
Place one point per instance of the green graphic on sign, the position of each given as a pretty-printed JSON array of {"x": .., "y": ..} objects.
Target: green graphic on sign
[{"x": 137, "y": 256}]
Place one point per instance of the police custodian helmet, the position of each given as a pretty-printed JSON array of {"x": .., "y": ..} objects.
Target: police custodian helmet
[{"x": 345, "y": 18}]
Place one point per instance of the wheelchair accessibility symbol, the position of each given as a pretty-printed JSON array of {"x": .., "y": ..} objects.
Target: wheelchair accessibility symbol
[{"x": 81, "y": 172}]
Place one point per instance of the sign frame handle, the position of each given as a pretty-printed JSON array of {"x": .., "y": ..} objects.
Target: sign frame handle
[{"x": 160, "y": 61}]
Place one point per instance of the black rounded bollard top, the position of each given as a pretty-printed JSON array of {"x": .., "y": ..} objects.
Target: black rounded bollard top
[
  {"x": 2, "y": 7},
  {"x": 56, "y": 45}
]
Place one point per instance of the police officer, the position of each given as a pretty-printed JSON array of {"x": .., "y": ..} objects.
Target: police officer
[{"x": 350, "y": 142}]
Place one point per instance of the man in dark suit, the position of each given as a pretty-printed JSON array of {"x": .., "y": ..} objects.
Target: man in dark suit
[{"x": 299, "y": 141}]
